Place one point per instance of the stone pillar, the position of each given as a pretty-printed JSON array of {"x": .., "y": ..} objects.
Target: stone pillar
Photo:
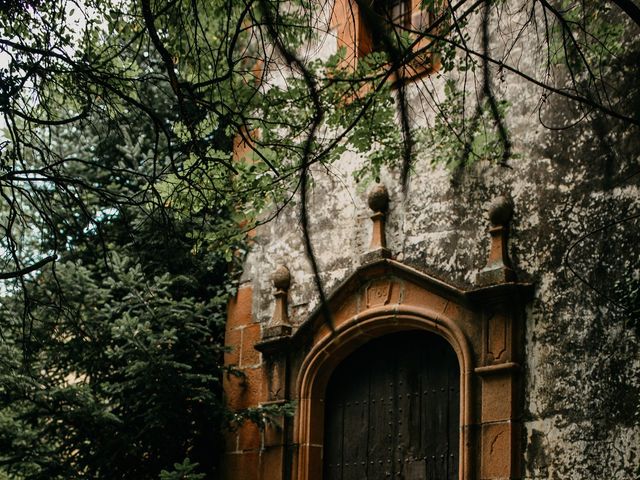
[
  {"x": 274, "y": 346},
  {"x": 501, "y": 355},
  {"x": 379, "y": 203},
  {"x": 498, "y": 268},
  {"x": 279, "y": 325},
  {"x": 500, "y": 372}
]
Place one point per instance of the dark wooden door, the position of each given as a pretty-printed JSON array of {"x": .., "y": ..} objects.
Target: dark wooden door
[{"x": 392, "y": 411}]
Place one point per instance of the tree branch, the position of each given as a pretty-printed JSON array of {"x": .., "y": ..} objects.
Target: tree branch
[
  {"x": 630, "y": 8},
  {"x": 26, "y": 270}
]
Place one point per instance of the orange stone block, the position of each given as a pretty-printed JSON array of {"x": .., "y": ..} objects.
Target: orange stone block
[
  {"x": 345, "y": 311},
  {"x": 243, "y": 141},
  {"x": 498, "y": 402},
  {"x": 322, "y": 331},
  {"x": 417, "y": 296},
  {"x": 271, "y": 464},
  {"x": 232, "y": 340},
  {"x": 274, "y": 433},
  {"x": 396, "y": 291},
  {"x": 459, "y": 315},
  {"x": 316, "y": 422},
  {"x": 239, "y": 309},
  {"x": 275, "y": 372},
  {"x": 249, "y": 356},
  {"x": 343, "y": 21},
  {"x": 497, "y": 444},
  {"x": 241, "y": 466},
  {"x": 244, "y": 392},
  {"x": 248, "y": 436}
]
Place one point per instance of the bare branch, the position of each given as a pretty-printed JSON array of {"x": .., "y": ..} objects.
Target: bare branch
[{"x": 27, "y": 270}]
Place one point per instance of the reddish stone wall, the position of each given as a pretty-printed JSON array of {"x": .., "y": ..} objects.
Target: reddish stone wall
[
  {"x": 242, "y": 460},
  {"x": 251, "y": 453}
]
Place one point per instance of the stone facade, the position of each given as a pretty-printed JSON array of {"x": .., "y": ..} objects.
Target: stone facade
[{"x": 571, "y": 398}]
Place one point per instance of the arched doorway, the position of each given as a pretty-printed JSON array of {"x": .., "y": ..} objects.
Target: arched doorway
[{"x": 392, "y": 411}]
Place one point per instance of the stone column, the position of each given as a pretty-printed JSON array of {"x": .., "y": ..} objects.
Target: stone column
[
  {"x": 275, "y": 349},
  {"x": 501, "y": 355}
]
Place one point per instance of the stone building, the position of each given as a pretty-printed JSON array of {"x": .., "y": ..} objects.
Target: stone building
[{"x": 478, "y": 327}]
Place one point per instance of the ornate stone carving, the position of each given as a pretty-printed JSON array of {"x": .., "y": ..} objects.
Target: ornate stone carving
[
  {"x": 379, "y": 198},
  {"x": 498, "y": 268},
  {"x": 496, "y": 338},
  {"x": 378, "y": 293},
  {"x": 378, "y": 202},
  {"x": 281, "y": 278},
  {"x": 279, "y": 325}
]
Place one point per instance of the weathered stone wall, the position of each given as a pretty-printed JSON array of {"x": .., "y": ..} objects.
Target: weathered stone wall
[{"x": 572, "y": 189}]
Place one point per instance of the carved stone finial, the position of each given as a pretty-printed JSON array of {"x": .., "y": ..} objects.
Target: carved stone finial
[
  {"x": 281, "y": 278},
  {"x": 500, "y": 211},
  {"x": 378, "y": 202},
  {"x": 379, "y": 198},
  {"x": 279, "y": 325},
  {"x": 498, "y": 268}
]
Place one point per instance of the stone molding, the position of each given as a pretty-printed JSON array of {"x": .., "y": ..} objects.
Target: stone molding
[
  {"x": 484, "y": 326},
  {"x": 329, "y": 352}
]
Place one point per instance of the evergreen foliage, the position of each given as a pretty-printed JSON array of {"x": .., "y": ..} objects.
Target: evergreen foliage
[{"x": 114, "y": 370}]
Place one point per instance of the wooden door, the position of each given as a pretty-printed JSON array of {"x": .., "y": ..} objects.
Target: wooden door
[{"x": 392, "y": 411}]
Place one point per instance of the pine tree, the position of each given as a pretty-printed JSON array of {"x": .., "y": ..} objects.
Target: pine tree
[{"x": 110, "y": 362}]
